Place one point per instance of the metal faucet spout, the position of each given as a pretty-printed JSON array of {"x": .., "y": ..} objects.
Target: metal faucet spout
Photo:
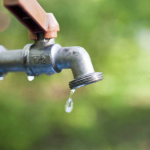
[{"x": 78, "y": 60}]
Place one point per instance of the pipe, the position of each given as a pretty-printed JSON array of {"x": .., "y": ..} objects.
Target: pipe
[{"x": 11, "y": 61}]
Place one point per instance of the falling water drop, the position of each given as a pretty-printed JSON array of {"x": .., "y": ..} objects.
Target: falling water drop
[
  {"x": 1, "y": 78},
  {"x": 69, "y": 103},
  {"x": 30, "y": 78}
]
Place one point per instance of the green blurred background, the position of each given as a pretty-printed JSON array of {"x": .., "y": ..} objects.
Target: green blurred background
[{"x": 113, "y": 114}]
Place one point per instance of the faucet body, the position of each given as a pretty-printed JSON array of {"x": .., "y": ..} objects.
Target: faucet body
[{"x": 46, "y": 57}]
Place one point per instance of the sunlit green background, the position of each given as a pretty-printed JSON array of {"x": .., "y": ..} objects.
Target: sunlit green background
[{"x": 113, "y": 114}]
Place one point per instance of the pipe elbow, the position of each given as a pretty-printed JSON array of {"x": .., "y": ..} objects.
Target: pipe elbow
[
  {"x": 76, "y": 58},
  {"x": 79, "y": 61}
]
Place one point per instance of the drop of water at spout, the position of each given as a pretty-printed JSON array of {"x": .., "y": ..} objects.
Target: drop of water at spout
[
  {"x": 69, "y": 103},
  {"x": 30, "y": 78},
  {"x": 1, "y": 78}
]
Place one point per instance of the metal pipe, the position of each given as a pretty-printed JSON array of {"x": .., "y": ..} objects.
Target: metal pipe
[{"x": 11, "y": 61}]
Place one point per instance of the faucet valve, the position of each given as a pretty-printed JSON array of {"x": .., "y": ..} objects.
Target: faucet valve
[{"x": 44, "y": 56}]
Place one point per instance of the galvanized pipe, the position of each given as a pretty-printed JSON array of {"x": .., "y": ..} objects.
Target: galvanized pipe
[{"x": 11, "y": 61}]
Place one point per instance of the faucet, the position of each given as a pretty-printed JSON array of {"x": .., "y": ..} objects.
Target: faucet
[{"x": 45, "y": 56}]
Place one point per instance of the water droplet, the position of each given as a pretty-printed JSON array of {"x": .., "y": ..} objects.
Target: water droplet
[
  {"x": 1, "y": 78},
  {"x": 69, "y": 103},
  {"x": 30, "y": 78}
]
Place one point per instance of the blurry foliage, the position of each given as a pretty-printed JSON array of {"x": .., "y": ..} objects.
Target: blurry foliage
[{"x": 110, "y": 115}]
